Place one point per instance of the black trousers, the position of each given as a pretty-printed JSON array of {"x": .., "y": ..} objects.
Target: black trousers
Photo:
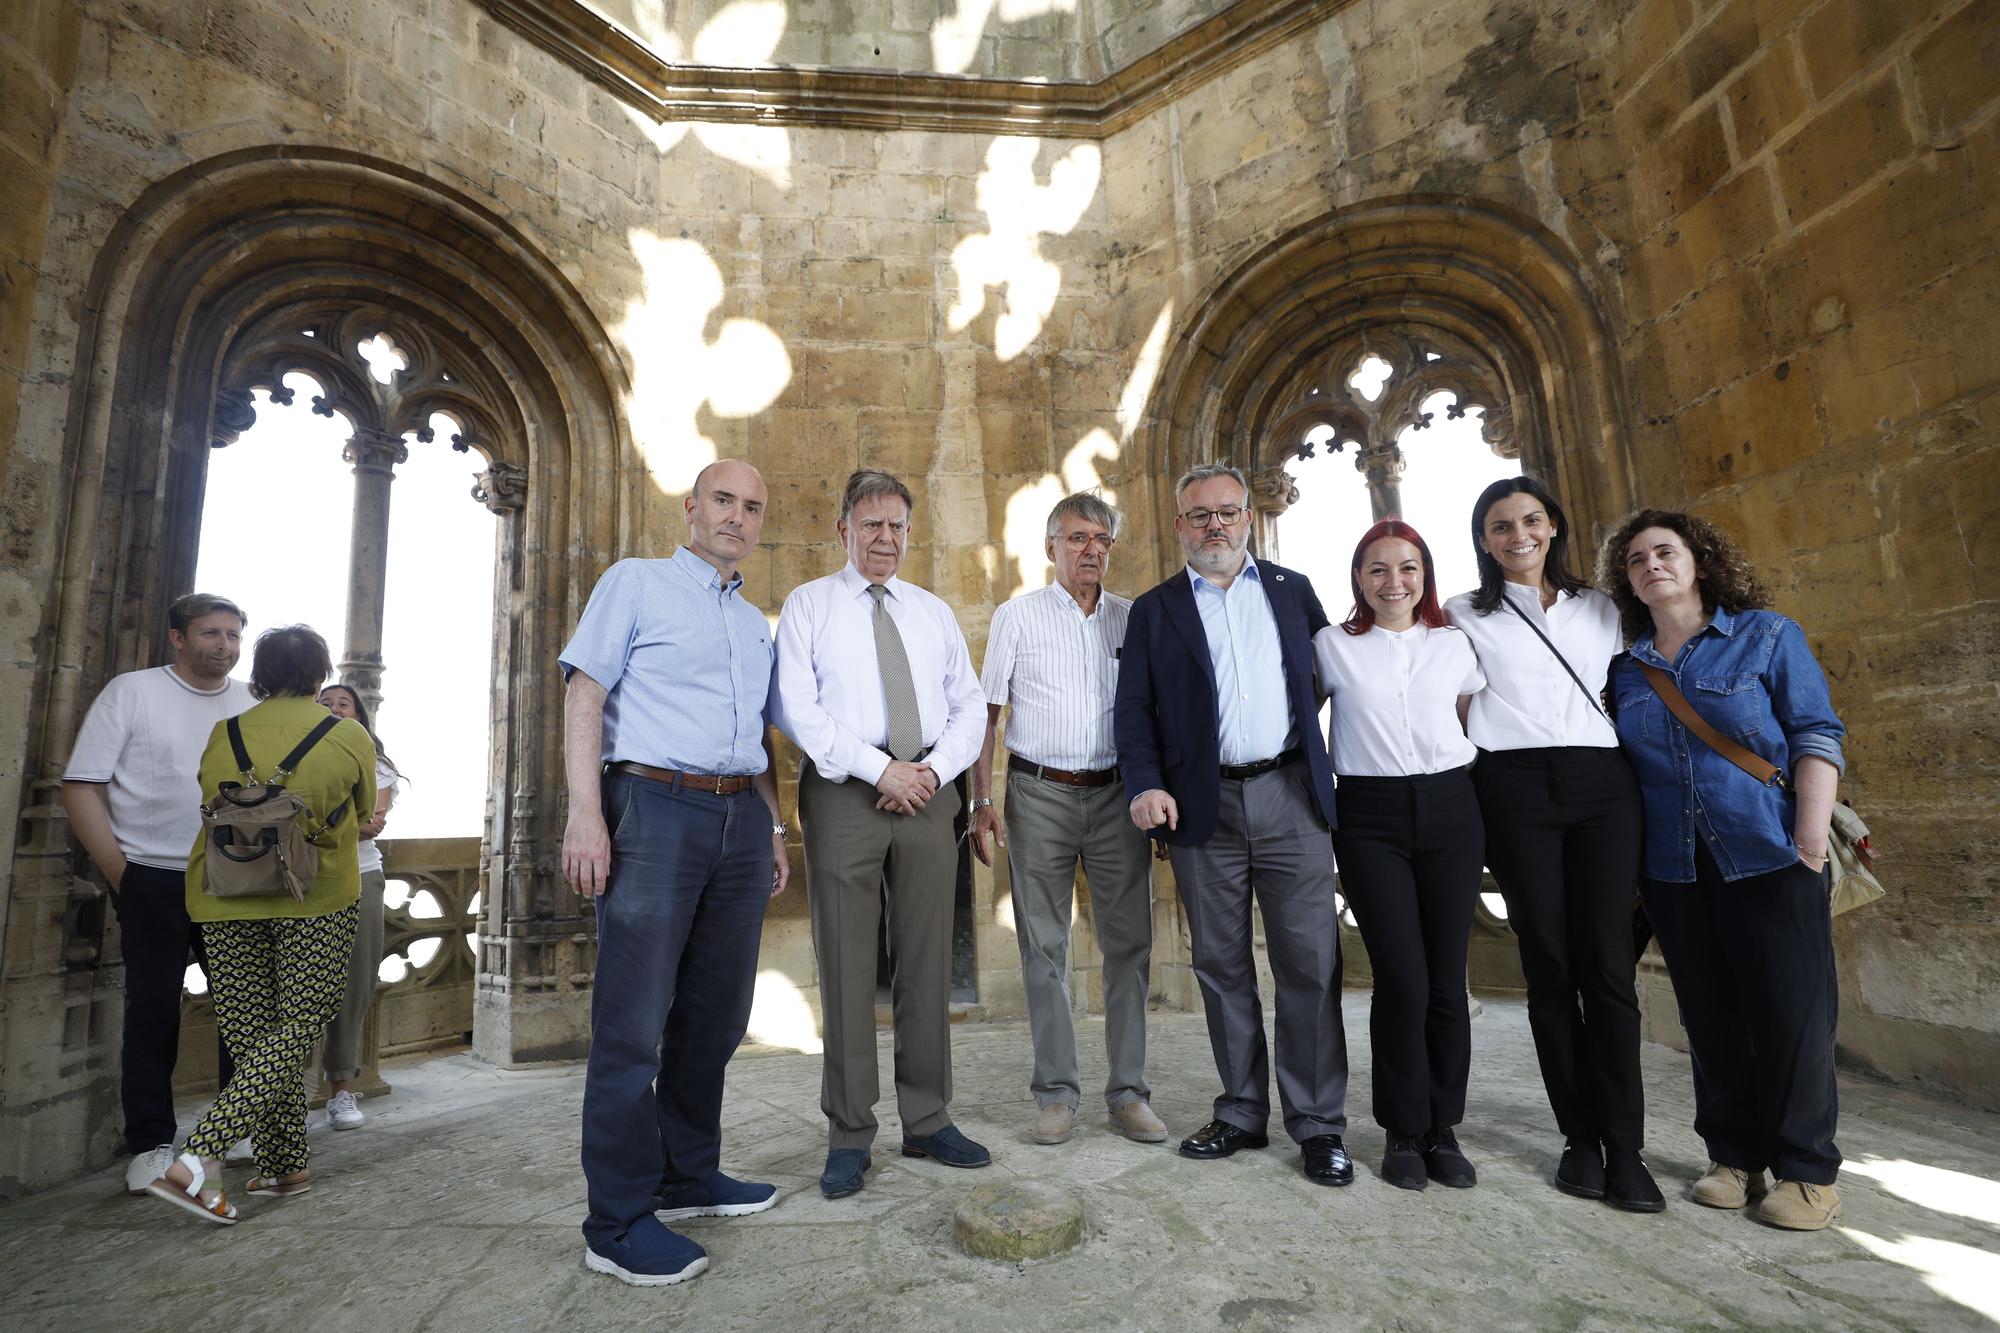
[
  {"x": 157, "y": 938},
  {"x": 1563, "y": 840},
  {"x": 1409, "y": 852},
  {"x": 1752, "y": 965}
]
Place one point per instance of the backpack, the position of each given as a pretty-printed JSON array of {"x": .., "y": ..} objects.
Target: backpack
[{"x": 261, "y": 842}]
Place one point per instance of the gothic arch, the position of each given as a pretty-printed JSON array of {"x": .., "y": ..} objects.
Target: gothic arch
[
  {"x": 204, "y": 291},
  {"x": 1519, "y": 328}
]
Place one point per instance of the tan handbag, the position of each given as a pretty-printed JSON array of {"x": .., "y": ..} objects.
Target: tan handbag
[{"x": 1850, "y": 861}]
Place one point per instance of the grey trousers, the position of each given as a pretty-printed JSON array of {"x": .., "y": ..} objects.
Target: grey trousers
[
  {"x": 343, "y": 1035},
  {"x": 1269, "y": 841},
  {"x": 858, "y": 858},
  {"x": 1050, "y": 825}
]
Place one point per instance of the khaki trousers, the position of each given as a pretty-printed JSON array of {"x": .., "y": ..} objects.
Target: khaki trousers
[{"x": 859, "y": 859}]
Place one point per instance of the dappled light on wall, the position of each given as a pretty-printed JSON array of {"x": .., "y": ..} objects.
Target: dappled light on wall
[
  {"x": 955, "y": 37},
  {"x": 780, "y": 1015},
  {"x": 1020, "y": 210},
  {"x": 743, "y": 35},
  {"x": 676, "y": 369}
]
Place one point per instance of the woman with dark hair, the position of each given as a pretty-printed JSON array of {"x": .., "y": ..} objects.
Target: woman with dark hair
[
  {"x": 277, "y": 963},
  {"x": 342, "y": 1057},
  {"x": 1735, "y": 864},
  {"x": 1409, "y": 842},
  {"x": 1562, "y": 819}
]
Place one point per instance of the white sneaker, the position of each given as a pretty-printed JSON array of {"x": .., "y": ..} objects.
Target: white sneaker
[
  {"x": 342, "y": 1112},
  {"x": 239, "y": 1154},
  {"x": 148, "y": 1167}
]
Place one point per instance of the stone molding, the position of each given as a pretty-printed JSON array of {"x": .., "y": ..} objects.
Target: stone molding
[{"x": 869, "y": 99}]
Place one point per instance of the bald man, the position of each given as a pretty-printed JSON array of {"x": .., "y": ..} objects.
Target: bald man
[{"x": 674, "y": 828}]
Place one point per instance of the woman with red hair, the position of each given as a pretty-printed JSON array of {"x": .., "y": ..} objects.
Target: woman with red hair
[{"x": 1409, "y": 842}]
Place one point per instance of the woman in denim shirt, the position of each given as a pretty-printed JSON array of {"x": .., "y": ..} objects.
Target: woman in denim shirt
[{"x": 1735, "y": 870}]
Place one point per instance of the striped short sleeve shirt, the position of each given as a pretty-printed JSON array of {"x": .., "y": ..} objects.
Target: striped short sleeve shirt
[{"x": 1058, "y": 669}]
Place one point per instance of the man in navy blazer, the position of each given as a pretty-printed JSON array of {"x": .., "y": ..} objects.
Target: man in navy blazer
[{"x": 1217, "y": 722}]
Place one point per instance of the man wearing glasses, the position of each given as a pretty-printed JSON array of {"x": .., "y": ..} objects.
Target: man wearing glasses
[
  {"x": 1052, "y": 655},
  {"x": 876, "y": 688},
  {"x": 1219, "y": 745}
]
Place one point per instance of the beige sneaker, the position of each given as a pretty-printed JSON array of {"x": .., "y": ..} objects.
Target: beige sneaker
[
  {"x": 1136, "y": 1121},
  {"x": 1727, "y": 1187},
  {"x": 1798, "y": 1206},
  {"x": 1056, "y": 1123}
]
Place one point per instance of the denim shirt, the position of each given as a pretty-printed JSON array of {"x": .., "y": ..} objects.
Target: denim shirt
[{"x": 1751, "y": 677}]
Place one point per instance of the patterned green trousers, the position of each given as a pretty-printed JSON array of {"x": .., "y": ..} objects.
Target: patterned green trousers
[{"x": 276, "y": 984}]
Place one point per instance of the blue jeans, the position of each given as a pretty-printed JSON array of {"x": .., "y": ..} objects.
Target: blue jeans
[{"x": 678, "y": 930}]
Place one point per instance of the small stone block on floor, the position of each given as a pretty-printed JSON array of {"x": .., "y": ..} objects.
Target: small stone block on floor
[{"x": 1023, "y": 1219}]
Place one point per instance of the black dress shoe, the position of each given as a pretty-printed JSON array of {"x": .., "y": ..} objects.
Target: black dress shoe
[
  {"x": 1629, "y": 1185},
  {"x": 1444, "y": 1163},
  {"x": 1326, "y": 1160},
  {"x": 1403, "y": 1163},
  {"x": 1219, "y": 1138},
  {"x": 1581, "y": 1171}
]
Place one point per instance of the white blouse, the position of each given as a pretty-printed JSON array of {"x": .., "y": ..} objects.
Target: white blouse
[
  {"x": 1395, "y": 699},
  {"x": 1529, "y": 701}
]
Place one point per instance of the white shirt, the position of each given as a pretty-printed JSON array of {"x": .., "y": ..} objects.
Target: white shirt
[
  {"x": 1395, "y": 699},
  {"x": 1252, "y": 705},
  {"x": 143, "y": 738},
  {"x": 1059, "y": 669},
  {"x": 385, "y": 781},
  {"x": 829, "y": 697},
  {"x": 1529, "y": 701}
]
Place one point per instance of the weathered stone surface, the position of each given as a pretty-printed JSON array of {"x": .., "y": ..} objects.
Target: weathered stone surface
[{"x": 1017, "y": 1220}]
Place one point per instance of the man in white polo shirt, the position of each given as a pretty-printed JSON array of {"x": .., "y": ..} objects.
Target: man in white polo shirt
[
  {"x": 134, "y": 803},
  {"x": 1052, "y": 655}
]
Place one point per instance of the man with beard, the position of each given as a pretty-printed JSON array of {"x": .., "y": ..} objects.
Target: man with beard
[{"x": 1223, "y": 761}]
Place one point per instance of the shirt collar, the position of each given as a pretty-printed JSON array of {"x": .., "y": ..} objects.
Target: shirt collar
[
  {"x": 704, "y": 574},
  {"x": 1249, "y": 571},
  {"x": 1063, "y": 595},
  {"x": 852, "y": 580},
  {"x": 1722, "y": 622}
]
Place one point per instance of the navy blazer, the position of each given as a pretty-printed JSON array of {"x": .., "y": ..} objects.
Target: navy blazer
[{"x": 1166, "y": 717}]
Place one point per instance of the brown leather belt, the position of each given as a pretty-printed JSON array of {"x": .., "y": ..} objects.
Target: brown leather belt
[
  {"x": 1102, "y": 777},
  {"x": 1239, "y": 772},
  {"x": 721, "y": 786}
]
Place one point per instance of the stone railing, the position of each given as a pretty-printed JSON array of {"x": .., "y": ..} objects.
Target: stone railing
[{"x": 429, "y": 938}]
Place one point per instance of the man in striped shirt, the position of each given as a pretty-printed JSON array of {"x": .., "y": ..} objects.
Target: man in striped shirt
[{"x": 1052, "y": 655}]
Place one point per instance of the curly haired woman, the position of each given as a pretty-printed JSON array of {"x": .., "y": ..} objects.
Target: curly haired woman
[{"x": 1735, "y": 869}]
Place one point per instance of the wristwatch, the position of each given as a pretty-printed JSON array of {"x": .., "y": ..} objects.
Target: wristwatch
[
  {"x": 981, "y": 802},
  {"x": 781, "y": 830}
]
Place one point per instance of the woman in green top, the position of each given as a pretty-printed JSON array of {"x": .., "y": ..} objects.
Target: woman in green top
[{"x": 277, "y": 966}]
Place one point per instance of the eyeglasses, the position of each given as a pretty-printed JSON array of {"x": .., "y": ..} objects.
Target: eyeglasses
[
  {"x": 1226, "y": 516},
  {"x": 1082, "y": 541}
]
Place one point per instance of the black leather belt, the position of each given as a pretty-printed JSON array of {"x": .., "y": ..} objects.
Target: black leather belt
[
  {"x": 1101, "y": 777},
  {"x": 1238, "y": 772},
  {"x": 720, "y": 785}
]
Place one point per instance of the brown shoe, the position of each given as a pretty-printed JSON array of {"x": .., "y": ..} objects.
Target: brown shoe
[
  {"x": 1797, "y": 1205},
  {"x": 1056, "y": 1123},
  {"x": 1136, "y": 1121},
  {"x": 1727, "y": 1187}
]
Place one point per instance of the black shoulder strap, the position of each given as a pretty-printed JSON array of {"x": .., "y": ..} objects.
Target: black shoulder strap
[
  {"x": 1508, "y": 602},
  {"x": 236, "y": 744},
  {"x": 290, "y": 763}
]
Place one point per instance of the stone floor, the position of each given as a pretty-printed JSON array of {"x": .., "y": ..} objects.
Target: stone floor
[{"x": 456, "y": 1207}]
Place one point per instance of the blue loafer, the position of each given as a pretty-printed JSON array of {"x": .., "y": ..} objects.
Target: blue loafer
[
  {"x": 647, "y": 1255},
  {"x": 949, "y": 1147},
  {"x": 717, "y": 1196},
  {"x": 844, "y": 1169}
]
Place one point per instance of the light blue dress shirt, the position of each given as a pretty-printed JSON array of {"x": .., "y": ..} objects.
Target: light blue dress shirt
[
  {"x": 686, "y": 664},
  {"x": 1253, "y": 711}
]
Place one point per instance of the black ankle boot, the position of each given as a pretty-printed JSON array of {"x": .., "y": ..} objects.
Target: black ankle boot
[
  {"x": 1445, "y": 1163},
  {"x": 1629, "y": 1185},
  {"x": 1581, "y": 1171},
  {"x": 1403, "y": 1163}
]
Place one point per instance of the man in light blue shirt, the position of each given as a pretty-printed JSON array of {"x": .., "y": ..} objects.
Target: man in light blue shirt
[
  {"x": 674, "y": 828},
  {"x": 1253, "y": 721}
]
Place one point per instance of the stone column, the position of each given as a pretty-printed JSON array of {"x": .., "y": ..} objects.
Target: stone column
[
  {"x": 1381, "y": 465},
  {"x": 374, "y": 454}
]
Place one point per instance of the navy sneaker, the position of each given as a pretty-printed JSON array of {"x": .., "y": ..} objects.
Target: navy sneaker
[
  {"x": 844, "y": 1169},
  {"x": 947, "y": 1146},
  {"x": 648, "y": 1255},
  {"x": 717, "y": 1196}
]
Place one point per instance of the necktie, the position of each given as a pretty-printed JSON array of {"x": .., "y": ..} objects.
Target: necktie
[{"x": 899, "y": 689}]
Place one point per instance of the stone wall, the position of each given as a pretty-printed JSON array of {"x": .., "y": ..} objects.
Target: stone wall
[{"x": 1779, "y": 213}]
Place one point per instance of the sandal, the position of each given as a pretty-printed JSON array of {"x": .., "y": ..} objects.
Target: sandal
[
  {"x": 193, "y": 1196},
  {"x": 283, "y": 1187}
]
